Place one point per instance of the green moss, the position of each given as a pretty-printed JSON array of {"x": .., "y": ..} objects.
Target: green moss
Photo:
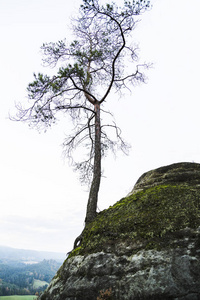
[
  {"x": 146, "y": 217},
  {"x": 75, "y": 252}
]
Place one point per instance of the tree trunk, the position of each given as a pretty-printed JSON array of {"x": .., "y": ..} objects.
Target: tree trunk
[{"x": 94, "y": 189}]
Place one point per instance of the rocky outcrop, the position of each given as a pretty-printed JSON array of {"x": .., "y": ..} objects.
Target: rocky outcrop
[
  {"x": 187, "y": 173},
  {"x": 146, "y": 246}
]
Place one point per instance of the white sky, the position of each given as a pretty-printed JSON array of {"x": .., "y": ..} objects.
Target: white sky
[{"x": 42, "y": 202}]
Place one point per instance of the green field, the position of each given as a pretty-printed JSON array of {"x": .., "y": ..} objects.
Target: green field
[
  {"x": 18, "y": 297},
  {"x": 37, "y": 284}
]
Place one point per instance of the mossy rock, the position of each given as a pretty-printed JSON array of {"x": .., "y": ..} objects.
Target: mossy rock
[
  {"x": 151, "y": 216},
  {"x": 179, "y": 173}
]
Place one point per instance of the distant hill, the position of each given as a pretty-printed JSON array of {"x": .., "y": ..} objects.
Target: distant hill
[
  {"x": 28, "y": 256},
  {"x": 17, "y": 278}
]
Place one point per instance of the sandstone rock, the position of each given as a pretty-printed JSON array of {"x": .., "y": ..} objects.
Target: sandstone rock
[
  {"x": 145, "y": 247},
  {"x": 188, "y": 173}
]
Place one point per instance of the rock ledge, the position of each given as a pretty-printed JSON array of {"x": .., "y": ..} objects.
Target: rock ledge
[{"x": 179, "y": 173}]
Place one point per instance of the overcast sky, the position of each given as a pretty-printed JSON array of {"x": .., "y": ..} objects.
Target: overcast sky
[{"x": 42, "y": 202}]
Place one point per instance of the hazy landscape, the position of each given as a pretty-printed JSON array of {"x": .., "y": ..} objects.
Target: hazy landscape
[{"x": 24, "y": 273}]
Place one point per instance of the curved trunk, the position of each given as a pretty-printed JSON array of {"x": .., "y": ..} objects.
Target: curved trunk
[{"x": 94, "y": 189}]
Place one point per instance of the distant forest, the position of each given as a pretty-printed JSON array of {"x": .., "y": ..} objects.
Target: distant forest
[{"x": 17, "y": 278}]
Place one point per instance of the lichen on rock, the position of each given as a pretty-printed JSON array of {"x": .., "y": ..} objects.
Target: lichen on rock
[{"x": 146, "y": 246}]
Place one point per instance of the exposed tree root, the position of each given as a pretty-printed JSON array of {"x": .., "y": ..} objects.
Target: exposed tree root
[{"x": 78, "y": 241}]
